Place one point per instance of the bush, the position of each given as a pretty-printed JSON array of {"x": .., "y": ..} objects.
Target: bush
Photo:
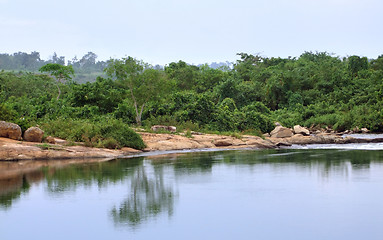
[
  {"x": 107, "y": 132},
  {"x": 256, "y": 120},
  {"x": 6, "y": 114},
  {"x": 160, "y": 120}
]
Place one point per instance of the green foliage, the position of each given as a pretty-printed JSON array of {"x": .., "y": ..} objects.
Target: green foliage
[
  {"x": 144, "y": 82},
  {"x": 227, "y": 117},
  {"x": 356, "y": 64},
  {"x": 6, "y": 114},
  {"x": 256, "y": 120},
  {"x": 29, "y": 85},
  {"x": 60, "y": 72},
  {"x": 103, "y": 93},
  {"x": 185, "y": 76},
  {"x": 103, "y": 133},
  {"x": 314, "y": 89}
]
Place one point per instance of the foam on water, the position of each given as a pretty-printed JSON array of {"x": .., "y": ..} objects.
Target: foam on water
[
  {"x": 351, "y": 146},
  {"x": 361, "y": 135}
]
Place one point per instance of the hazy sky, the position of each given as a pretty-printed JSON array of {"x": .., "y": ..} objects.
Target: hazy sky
[{"x": 196, "y": 31}]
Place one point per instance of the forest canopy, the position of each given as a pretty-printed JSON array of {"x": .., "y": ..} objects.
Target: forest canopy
[{"x": 314, "y": 89}]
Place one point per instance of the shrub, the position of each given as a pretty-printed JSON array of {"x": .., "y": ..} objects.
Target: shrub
[
  {"x": 256, "y": 120},
  {"x": 6, "y": 114},
  {"x": 107, "y": 132}
]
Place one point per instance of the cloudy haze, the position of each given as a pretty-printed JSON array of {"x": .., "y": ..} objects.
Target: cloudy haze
[{"x": 196, "y": 31}]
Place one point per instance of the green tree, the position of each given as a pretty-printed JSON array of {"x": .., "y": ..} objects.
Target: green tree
[
  {"x": 186, "y": 76},
  {"x": 356, "y": 63},
  {"x": 60, "y": 72},
  {"x": 144, "y": 83}
]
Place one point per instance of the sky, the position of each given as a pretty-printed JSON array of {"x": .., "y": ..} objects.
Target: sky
[{"x": 195, "y": 31}]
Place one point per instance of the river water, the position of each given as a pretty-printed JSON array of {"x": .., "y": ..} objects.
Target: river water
[{"x": 243, "y": 194}]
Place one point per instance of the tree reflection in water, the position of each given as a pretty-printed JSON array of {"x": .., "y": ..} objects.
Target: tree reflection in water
[
  {"x": 149, "y": 196},
  {"x": 149, "y": 191}
]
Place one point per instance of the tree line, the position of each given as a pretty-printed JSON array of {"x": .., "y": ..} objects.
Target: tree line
[
  {"x": 87, "y": 68},
  {"x": 314, "y": 89}
]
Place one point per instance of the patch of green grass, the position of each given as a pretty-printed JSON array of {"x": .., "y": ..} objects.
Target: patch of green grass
[
  {"x": 188, "y": 134},
  {"x": 46, "y": 146}
]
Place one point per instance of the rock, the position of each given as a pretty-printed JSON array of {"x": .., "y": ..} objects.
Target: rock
[
  {"x": 50, "y": 140},
  {"x": 329, "y": 130},
  {"x": 300, "y": 139},
  {"x": 196, "y": 133},
  {"x": 10, "y": 130},
  {"x": 301, "y": 130},
  {"x": 281, "y": 132},
  {"x": 223, "y": 143},
  {"x": 347, "y": 132},
  {"x": 365, "y": 130},
  {"x": 34, "y": 134},
  {"x": 356, "y": 130},
  {"x": 157, "y": 128},
  {"x": 283, "y": 144},
  {"x": 267, "y": 135},
  {"x": 277, "y": 124}
]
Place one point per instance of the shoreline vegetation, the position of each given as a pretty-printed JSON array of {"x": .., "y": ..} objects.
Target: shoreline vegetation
[{"x": 234, "y": 106}]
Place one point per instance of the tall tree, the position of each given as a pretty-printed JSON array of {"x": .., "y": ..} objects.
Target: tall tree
[
  {"x": 60, "y": 72},
  {"x": 144, "y": 82}
]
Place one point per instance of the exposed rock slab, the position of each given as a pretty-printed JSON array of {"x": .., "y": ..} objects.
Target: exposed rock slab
[
  {"x": 164, "y": 142},
  {"x": 17, "y": 150}
]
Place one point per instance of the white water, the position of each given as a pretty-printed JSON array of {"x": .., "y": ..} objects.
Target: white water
[
  {"x": 350, "y": 146},
  {"x": 360, "y": 135}
]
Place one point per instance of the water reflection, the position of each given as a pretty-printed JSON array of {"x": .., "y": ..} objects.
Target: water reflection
[
  {"x": 148, "y": 196},
  {"x": 11, "y": 190},
  {"x": 149, "y": 181}
]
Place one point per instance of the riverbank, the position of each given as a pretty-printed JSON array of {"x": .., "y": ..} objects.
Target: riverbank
[{"x": 12, "y": 150}]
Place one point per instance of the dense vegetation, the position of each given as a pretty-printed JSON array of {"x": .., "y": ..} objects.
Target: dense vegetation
[{"x": 313, "y": 89}]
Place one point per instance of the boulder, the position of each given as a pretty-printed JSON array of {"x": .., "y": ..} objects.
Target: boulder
[
  {"x": 365, "y": 130},
  {"x": 277, "y": 124},
  {"x": 10, "y": 130},
  {"x": 301, "y": 130},
  {"x": 281, "y": 132},
  {"x": 157, "y": 128},
  {"x": 34, "y": 134}
]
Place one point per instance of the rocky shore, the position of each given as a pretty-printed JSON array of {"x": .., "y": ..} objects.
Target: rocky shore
[{"x": 11, "y": 150}]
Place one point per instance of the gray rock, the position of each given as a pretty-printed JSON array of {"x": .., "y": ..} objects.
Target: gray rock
[
  {"x": 10, "y": 130},
  {"x": 34, "y": 134}
]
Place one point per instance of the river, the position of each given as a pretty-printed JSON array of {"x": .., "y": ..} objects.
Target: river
[{"x": 295, "y": 193}]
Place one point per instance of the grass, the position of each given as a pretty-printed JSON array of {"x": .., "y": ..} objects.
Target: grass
[{"x": 46, "y": 146}]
